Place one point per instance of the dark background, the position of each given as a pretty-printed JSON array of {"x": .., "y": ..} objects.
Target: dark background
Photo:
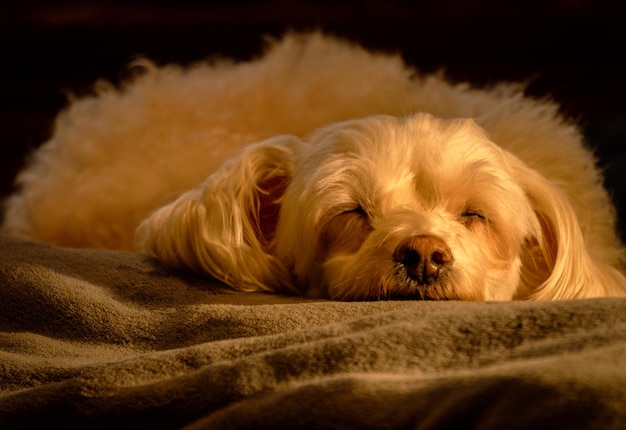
[{"x": 570, "y": 50}]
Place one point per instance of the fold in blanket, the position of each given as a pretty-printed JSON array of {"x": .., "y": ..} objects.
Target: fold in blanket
[{"x": 100, "y": 339}]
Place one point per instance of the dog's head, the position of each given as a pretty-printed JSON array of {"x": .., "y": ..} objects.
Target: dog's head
[
  {"x": 418, "y": 207},
  {"x": 380, "y": 207}
]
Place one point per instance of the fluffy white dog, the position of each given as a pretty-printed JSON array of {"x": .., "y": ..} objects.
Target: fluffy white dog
[{"x": 363, "y": 183}]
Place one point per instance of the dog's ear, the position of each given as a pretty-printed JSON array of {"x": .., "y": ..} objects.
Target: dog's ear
[
  {"x": 225, "y": 227},
  {"x": 556, "y": 264}
]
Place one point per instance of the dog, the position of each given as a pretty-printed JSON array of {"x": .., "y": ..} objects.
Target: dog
[{"x": 326, "y": 170}]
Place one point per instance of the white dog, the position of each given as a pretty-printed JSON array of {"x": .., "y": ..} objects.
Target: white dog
[{"x": 363, "y": 183}]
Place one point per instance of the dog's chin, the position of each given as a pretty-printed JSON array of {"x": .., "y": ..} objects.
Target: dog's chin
[
  {"x": 407, "y": 287},
  {"x": 351, "y": 278}
]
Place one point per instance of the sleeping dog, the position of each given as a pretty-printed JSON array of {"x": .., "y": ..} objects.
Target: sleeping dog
[{"x": 326, "y": 170}]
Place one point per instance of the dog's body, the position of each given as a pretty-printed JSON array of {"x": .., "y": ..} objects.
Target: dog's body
[{"x": 406, "y": 201}]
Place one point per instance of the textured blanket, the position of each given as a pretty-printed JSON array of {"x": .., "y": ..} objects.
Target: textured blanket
[{"x": 102, "y": 339}]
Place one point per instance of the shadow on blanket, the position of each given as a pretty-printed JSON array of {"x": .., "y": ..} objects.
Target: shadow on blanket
[{"x": 101, "y": 339}]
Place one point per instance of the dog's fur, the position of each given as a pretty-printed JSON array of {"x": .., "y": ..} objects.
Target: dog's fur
[{"x": 363, "y": 184}]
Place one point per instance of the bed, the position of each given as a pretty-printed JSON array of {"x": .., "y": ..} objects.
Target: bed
[{"x": 109, "y": 339}]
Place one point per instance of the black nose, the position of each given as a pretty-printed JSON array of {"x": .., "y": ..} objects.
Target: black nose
[{"x": 423, "y": 257}]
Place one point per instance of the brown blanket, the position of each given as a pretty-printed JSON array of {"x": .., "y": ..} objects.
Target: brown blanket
[{"x": 108, "y": 339}]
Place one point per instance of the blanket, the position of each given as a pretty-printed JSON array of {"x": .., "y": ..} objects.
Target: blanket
[{"x": 107, "y": 339}]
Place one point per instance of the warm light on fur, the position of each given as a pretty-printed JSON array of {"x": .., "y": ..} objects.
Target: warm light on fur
[{"x": 326, "y": 170}]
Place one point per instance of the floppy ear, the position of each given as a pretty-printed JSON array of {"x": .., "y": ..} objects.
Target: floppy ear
[
  {"x": 556, "y": 264},
  {"x": 224, "y": 228}
]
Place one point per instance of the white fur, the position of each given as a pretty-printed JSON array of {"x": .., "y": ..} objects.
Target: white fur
[{"x": 319, "y": 159}]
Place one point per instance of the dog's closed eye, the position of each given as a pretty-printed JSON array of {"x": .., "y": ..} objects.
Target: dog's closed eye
[
  {"x": 346, "y": 231},
  {"x": 472, "y": 218}
]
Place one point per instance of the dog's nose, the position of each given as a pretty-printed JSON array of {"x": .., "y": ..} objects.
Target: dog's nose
[{"x": 423, "y": 257}]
